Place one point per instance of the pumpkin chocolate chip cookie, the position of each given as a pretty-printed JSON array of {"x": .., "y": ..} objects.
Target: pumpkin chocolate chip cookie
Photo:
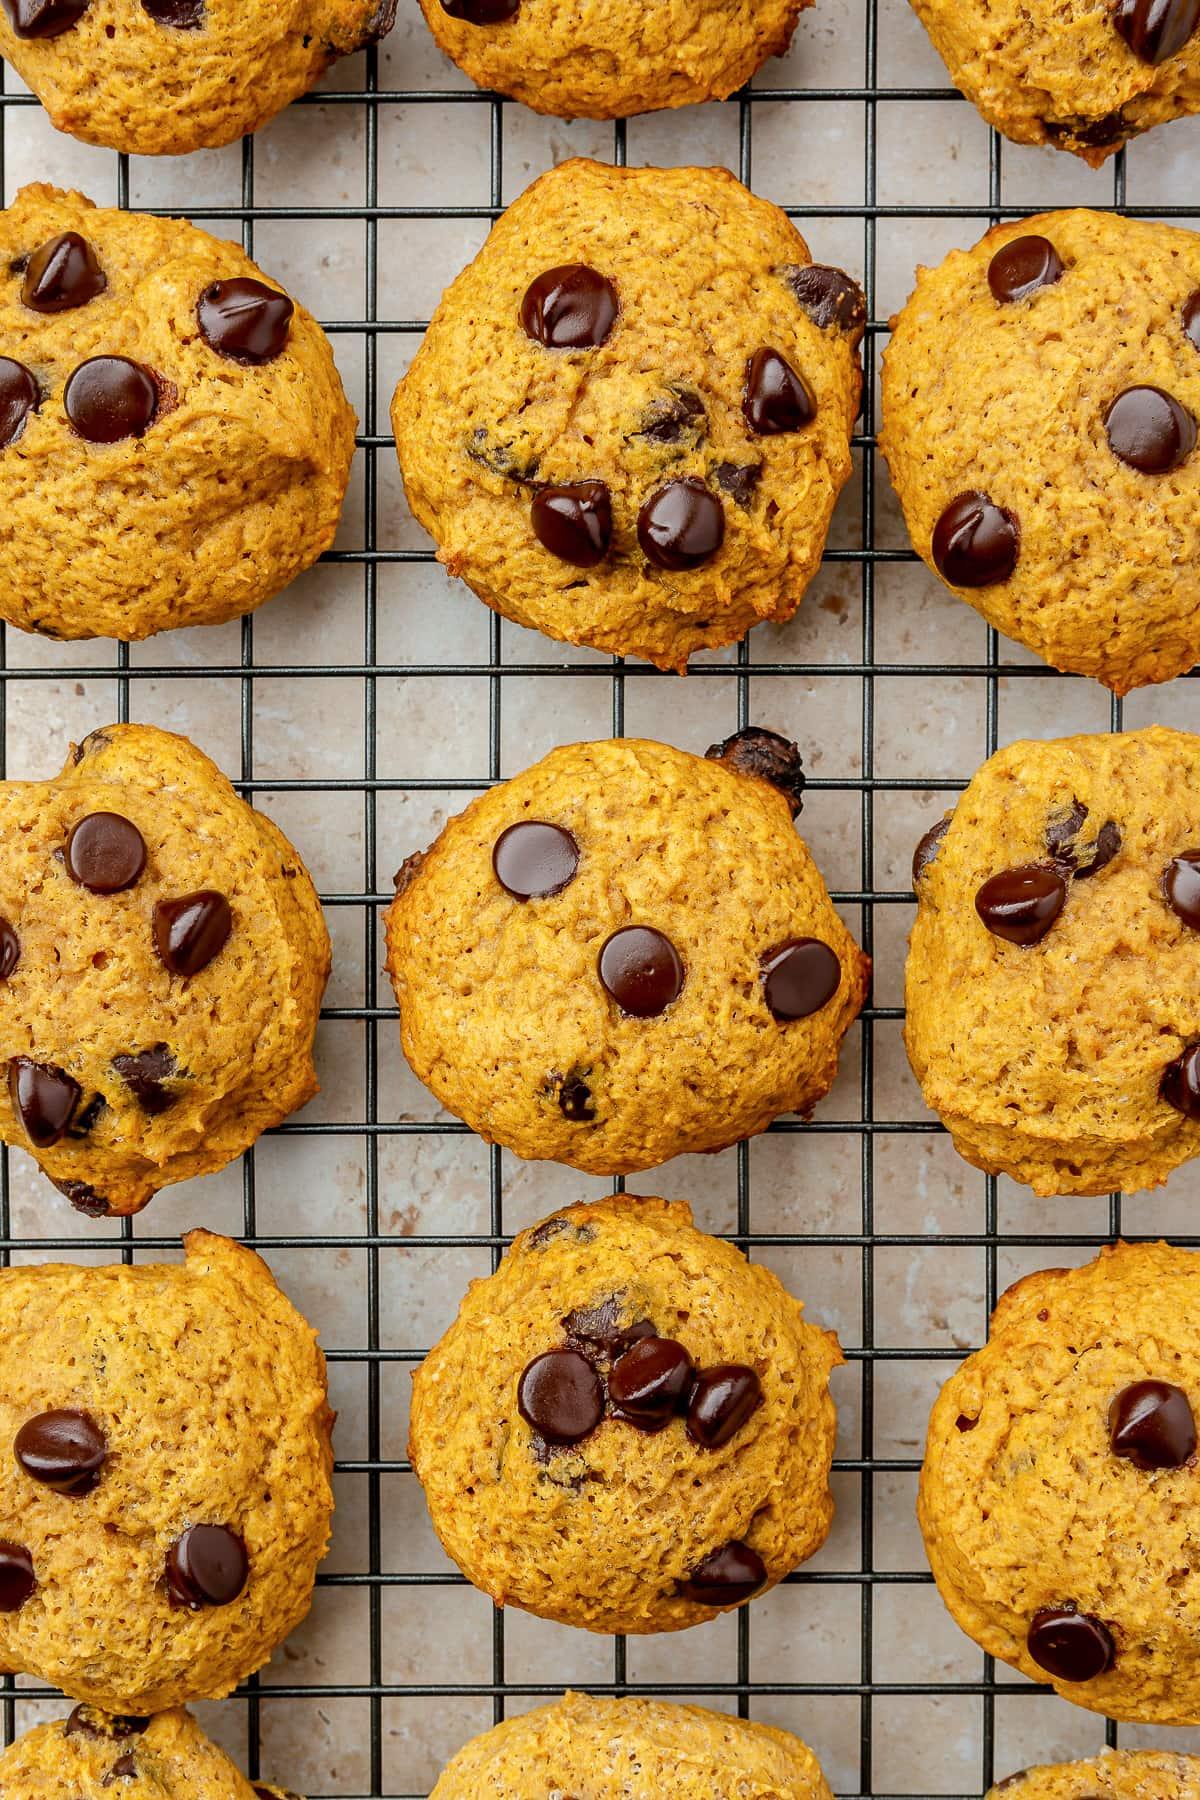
[
  {"x": 629, "y": 1426},
  {"x": 1117, "y": 1775},
  {"x": 91, "y": 1753},
  {"x": 624, "y": 954},
  {"x": 630, "y": 419}
]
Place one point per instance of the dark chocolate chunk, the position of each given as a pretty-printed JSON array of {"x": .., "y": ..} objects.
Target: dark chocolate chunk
[
  {"x": 534, "y": 860},
  {"x": 738, "y": 480},
  {"x": 675, "y": 417},
  {"x": 244, "y": 320},
  {"x": 206, "y": 1566},
  {"x": 681, "y": 525},
  {"x": 769, "y": 756},
  {"x": 502, "y": 459},
  {"x": 574, "y": 522},
  {"x": 124, "y": 1769},
  {"x": 1021, "y": 904},
  {"x": 1022, "y": 266},
  {"x": 1180, "y": 1084},
  {"x": 183, "y": 15},
  {"x": 1151, "y": 1424},
  {"x": 109, "y": 398},
  {"x": 86, "y": 1117},
  {"x": 63, "y": 274},
  {"x": 482, "y": 12},
  {"x": 144, "y": 1072},
  {"x": 799, "y": 978},
  {"x": 45, "y": 18},
  {"x": 1070, "y": 1645},
  {"x": 571, "y": 307},
  {"x": 191, "y": 931},
  {"x": 1181, "y": 886},
  {"x": 599, "y": 1327},
  {"x": 89, "y": 1721},
  {"x": 561, "y": 1396},
  {"x": 45, "y": 1097},
  {"x": 10, "y": 949},
  {"x": 727, "y": 1577},
  {"x": 62, "y": 1449},
  {"x": 575, "y": 1100},
  {"x": 17, "y": 1579},
  {"x": 975, "y": 542},
  {"x": 829, "y": 297},
  {"x": 651, "y": 1382},
  {"x": 775, "y": 399},
  {"x": 19, "y": 396},
  {"x": 105, "y": 853},
  {"x": 722, "y": 1400},
  {"x": 1097, "y": 133},
  {"x": 84, "y": 1199},
  {"x": 1150, "y": 430},
  {"x": 642, "y": 970},
  {"x": 926, "y": 851},
  {"x": 1156, "y": 30}
]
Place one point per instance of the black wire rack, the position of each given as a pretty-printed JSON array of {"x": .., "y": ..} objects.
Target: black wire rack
[{"x": 871, "y": 1481}]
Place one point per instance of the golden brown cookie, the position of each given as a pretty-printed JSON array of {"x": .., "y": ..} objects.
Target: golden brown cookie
[
  {"x": 631, "y": 1750},
  {"x": 629, "y": 1426},
  {"x": 162, "y": 960},
  {"x": 1084, "y": 75},
  {"x": 86, "y": 1756},
  {"x": 630, "y": 419},
  {"x": 1040, "y": 398},
  {"x": 624, "y": 954},
  {"x": 174, "y": 439},
  {"x": 1053, "y": 980},
  {"x": 165, "y": 1494},
  {"x": 1117, "y": 1775},
  {"x": 161, "y": 77},
  {"x": 1057, "y": 1495}
]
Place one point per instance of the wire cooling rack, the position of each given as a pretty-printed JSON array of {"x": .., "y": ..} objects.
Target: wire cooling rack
[{"x": 838, "y": 1652}]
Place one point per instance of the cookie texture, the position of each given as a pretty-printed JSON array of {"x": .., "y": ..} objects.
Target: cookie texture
[
  {"x": 632, "y": 1750},
  {"x": 86, "y": 1756},
  {"x": 558, "y": 1488},
  {"x": 1117, "y": 1775},
  {"x": 1083, "y": 75},
  {"x": 614, "y": 1007},
  {"x": 1040, "y": 398},
  {"x": 202, "y": 1391},
  {"x": 1066, "y": 1062},
  {"x": 162, "y": 77},
  {"x": 614, "y": 57},
  {"x": 152, "y": 1032},
  {"x": 630, "y": 418},
  {"x": 1056, "y": 1493},
  {"x": 174, "y": 439}
]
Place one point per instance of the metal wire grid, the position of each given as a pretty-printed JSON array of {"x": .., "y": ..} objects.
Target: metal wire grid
[{"x": 378, "y": 1016}]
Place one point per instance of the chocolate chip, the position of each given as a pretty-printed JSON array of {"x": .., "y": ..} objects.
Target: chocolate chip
[
  {"x": 105, "y": 853},
  {"x": 89, "y": 1721},
  {"x": 63, "y": 274},
  {"x": 44, "y": 1096},
  {"x": 642, "y": 971},
  {"x": 650, "y": 1382},
  {"x": 1149, "y": 430},
  {"x": 775, "y": 399},
  {"x": 1191, "y": 318},
  {"x": 45, "y": 18},
  {"x": 575, "y": 1100},
  {"x": 482, "y": 12},
  {"x": 569, "y": 308},
  {"x": 10, "y": 949},
  {"x": 63, "y": 1449},
  {"x": 184, "y": 15},
  {"x": 1180, "y": 1084},
  {"x": 926, "y": 851},
  {"x": 727, "y": 1577},
  {"x": 738, "y": 480},
  {"x": 722, "y": 1400},
  {"x": 681, "y": 525},
  {"x": 964, "y": 1423},
  {"x": 1063, "y": 828},
  {"x": 829, "y": 297},
  {"x": 1070, "y": 1645},
  {"x": 1151, "y": 1425},
  {"x": 1020, "y": 905},
  {"x": 1098, "y": 133},
  {"x": 84, "y": 1120},
  {"x": 547, "y": 1231},
  {"x": 124, "y": 1769},
  {"x": 574, "y": 522},
  {"x": 674, "y": 417},
  {"x": 1156, "y": 29},
  {"x": 109, "y": 398},
  {"x": 1022, "y": 266},
  {"x": 191, "y": 931},
  {"x": 561, "y": 1396},
  {"x": 144, "y": 1074},
  {"x": 1181, "y": 886},
  {"x": 534, "y": 860},
  {"x": 207, "y": 1566},
  {"x": 17, "y": 1580},
  {"x": 502, "y": 459},
  {"x": 599, "y": 1327},
  {"x": 975, "y": 542},
  {"x": 244, "y": 320},
  {"x": 84, "y": 1199},
  {"x": 799, "y": 978},
  {"x": 769, "y": 756},
  {"x": 19, "y": 396}
]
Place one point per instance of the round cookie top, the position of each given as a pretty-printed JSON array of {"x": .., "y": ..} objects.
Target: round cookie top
[
  {"x": 631, "y": 1750},
  {"x": 162, "y": 77},
  {"x": 1117, "y": 1775},
  {"x": 1053, "y": 977},
  {"x": 165, "y": 1495},
  {"x": 628, "y": 1427},
  {"x": 1041, "y": 393},
  {"x": 162, "y": 959},
  {"x": 85, "y": 1756},
  {"x": 1085, "y": 75},
  {"x": 1060, "y": 1470},
  {"x": 625, "y": 953},
  {"x": 630, "y": 419},
  {"x": 174, "y": 439},
  {"x": 611, "y": 59}
]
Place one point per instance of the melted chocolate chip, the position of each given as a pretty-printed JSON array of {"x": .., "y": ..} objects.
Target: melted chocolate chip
[
  {"x": 830, "y": 298},
  {"x": 183, "y": 15},
  {"x": 756, "y": 751},
  {"x": 1156, "y": 29},
  {"x": 1151, "y": 1425},
  {"x": 681, "y": 525},
  {"x": 45, "y": 18},
  {"x": 502, "y": 459},
  {"x": 207, "y": 1566},
  {"x": 799, "y": 978},
  {"x": 191, "y": 931},
  {"x": 87, "y": 1116},
  {"x": 674, "y": 417},
  {"x": 722, "y": 1400},
  {"x": 1098, "y": 133},
  {"x": 109, "y": 398},
  {"x": 144, "y": 1074},
  {"x": 45, "y": 1098},
  {"x": 727, "y": 1577},
  {"x": 642, "y": 971},
  {"x": 547, "y": 1231},
  {"x": 1020, "y": 905},
  {"x": 570, "y": 308},
  {"x": 1180, "y": 1084},
  {"x": 738, "y": 480},
  {"x": 17, "y": 1580},
  {"x": 482, "y": 12},
  {"x": 1149, "y": 430},
  {"x": 84, "y": 1199},
  {"x": 89, "y": 1721},
  {"x": 19, "y": 396},
  {"x": 575, "y": 1100},
  {"x": 1063, "y": 830},
  {"x": 975, "y": 542},
  {"x": 1022, "y": 266},
  {"x": 1181, "y": 886},
  {"x": 651, "y": 1382},
  {"x": 561, "y": 1396},
  {"x": 124, "y": 1769},
  {"x": 10, "y": 949},
  {"x": 1191, "y": 319},
  {"x": 926, "y": 851},
  {"x": 63, "y": 1449},
  {"x": 1070, "y": 1645},
  {"x": 574, "y": 522},
  {"x": 775, "y": 399},
  {"x": 244, "y": 320},
  {"x": 964, "y": 1423},
  {"x": 105, "y": 853},
  {"x": 534, "y": 860},
  {"x": 62, "y": 275},
  {"x": 599, "y": 1327}
]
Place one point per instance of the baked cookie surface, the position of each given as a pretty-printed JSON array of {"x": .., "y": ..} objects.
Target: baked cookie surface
[
  {"x": 174, "y": 439},
  {"x": 88, "y": 1754},
  {"x": 1117, "y": 1775},
  {"x": 162, "y": 959},
  {"x": 625, "y": 953},
  {"x": 162, "y": 77},
  {"x": 630, "y": 418},
  {"x": 1084, "y": 75},
  {"x": 628, "y": 1427},
  {"x": 165, "y": 1495},
  {"x": 1056, "y": 1494},
  {"x": 631, "y": 1750},
  {"x": 1040, "y": 398},
  {"x": 1053, "y": 976}
]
